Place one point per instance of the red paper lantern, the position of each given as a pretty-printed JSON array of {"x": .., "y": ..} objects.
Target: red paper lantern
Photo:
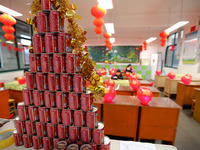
[
  {"x": 8, "y": 29},
  {"x": 98, "y": 30},
  {"x": 10, "y": 47},
  {"x": 107, "y": 40},
  {"x": 7, "y": 19},
  {"x": 107, "y": 35},
  {"x": 21, "y": 80},
  {"x": 132, "y": 77},
  {"x": 158, "y": 72},
  {"x": 186, "y": 79},
  {"x": 135, "y": 85},
  {"x": 127, "y": 74},
  {"x": 145, "y": 95},
  {"x": 163, "y": 44},
  {"x": 164, "y": 34},
  {"x": 110, "y": 94},
  {"x": 171, "y": 75},
  {"x": 15, "y": 49},
  {"x": 163, "y": 40},
  {"x": 110, "y": 82},
  {"x": 172, "y": 48},
  {"x": 141, "y": 48},
  {"x": 4, "y": 44},
  {"x": 98, "y": 22},
  {"x": 110, "y": 48},
  {"x": 145, "y": 43},
  {"x": 108, "y": 45},
  {"x": 9, "y": 36},
  {"x": 98, "y": 11}
]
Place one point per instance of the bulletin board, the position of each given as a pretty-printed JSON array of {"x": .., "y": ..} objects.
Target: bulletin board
[{"x": 119, "y": 54}]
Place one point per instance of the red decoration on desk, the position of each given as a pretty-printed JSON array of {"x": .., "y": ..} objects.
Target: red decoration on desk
[
  {"x": 151, "y": 84},
  {"x": 186, "y": 79},
  {"x": 171, "y": 75},
  {"x": 127, "y": 74},
  {"x": 110, "y": 82},
  {"x": 145, "y": 95},
  {"x": 135, "y": 84},
  {"x": 21, "y": 80},
  {"x": 110, "y": 94},
  {"x": 189, "y": 75},
  {"x": 158, "y": 72},
  {"x": 132, "y": 77}
]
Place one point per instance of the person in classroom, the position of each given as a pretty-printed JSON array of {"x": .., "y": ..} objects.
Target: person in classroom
[
  {"x": 129, "y": 69},
  {"x": 118, "y": 75}
]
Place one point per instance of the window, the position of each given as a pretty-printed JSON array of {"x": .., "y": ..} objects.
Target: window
[{"x": 172, "y": 56}]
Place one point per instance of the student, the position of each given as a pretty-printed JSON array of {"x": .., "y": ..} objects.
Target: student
[
  {"x": 118, "y": 75},
  {"x": 129, "y": 69}
]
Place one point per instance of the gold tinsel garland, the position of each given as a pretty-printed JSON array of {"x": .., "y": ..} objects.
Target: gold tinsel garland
[{"x": 67, "y": 11}]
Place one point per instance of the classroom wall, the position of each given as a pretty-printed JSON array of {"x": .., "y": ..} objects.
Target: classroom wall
[{"x": 10, "y": 76}]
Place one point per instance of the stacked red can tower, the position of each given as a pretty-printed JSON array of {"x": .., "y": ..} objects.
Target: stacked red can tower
[{"x": 56, "y": 105}]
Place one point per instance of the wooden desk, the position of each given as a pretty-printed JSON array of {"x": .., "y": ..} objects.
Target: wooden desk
[
  {"x": 185, "y": 93},
  {"x": 145, "y": 83},
  {"x": 4, "y": 106},
  {"x": 127, "y": 90},
  {"x": 159, "y": 120},
  {"x": 159, "y": 81},
  {"x": 196, "y": 113},
  {"x": 17, "y": 95},
  {"x": 121, "y": 118}
]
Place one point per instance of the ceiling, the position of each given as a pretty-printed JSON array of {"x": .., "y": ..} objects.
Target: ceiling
[{"x": 134, "y": 20}]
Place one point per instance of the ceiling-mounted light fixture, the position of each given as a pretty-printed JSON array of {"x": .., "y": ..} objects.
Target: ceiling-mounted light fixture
[
  {"x": 9, "y": 11},
  {"x": 151, "y": 39},
  {"x": 112, "y": 40},
  {"x": 176, "y": 26},
  {"x": 110, "y": 28},
  {"x": 106, "y": 4}
]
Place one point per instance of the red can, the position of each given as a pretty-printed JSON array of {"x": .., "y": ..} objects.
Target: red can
[
  {"x": 74, "y": 133},
  {"x": 70, "y": 83},
  {"x": 106, "y": 144},
  {"x": 56, "y": 23},
  {"x": 41, "y": 81},
  {"x": 67, "y": 117},
  {"x": 51, "y": 45},
  {"x": 56, "y": 115},
  {"x": 72, "y": 63},
  {"x": 41, "y": 129},
  {"x": 52, "y": 130},
  {"x": 64, "y": 43},
  {"x": 59, "y": 63},
  {"x": 30, "y": 127},
  {"x": 54, "y": 82},
  {"x": 33, "y": 113},
  {"x": 94, "y": 146},
  {"x": 86, "y": 146},
  {"x": 42, "y": 22},
  {"x": 79, "y": 118},
  {"x": 46, "y": 5},
  {"x": 79, "y": 143},
  {"x": 63, "y": 131},
  {"x": 63, "y": 82},
  {"x": 29, "y": 80},
  {"x": 50, "y": 99},
  {"x": 27, "y": 96},
  {"x": 91, "y": 118},
  {"x": 47, "y": 143},
  {"x": 68, "y": 141},
  {"x": 38, "y": 97},
  {"x": 37, "y": 142},
  {"x": 55, "y": 141},
  {"x": 86, "y": 134},
  {"x": 73, "y": 146},
  {"x": 27, "y": 139},
  {"x": 22, "y": 111},
  {"x": 20, "y": 126},
  {"x": 87, "y": 102},
  {"x": 74, "y": 101},
  {"x": 78, "y": 83},
  {"x": 32, "y": 62},
  {"x": 98, "y": 134},
  {"x": 18, "y": 138},
  {"x": 44, "y": 114},
  {"x": 61, "y": 100},
  {"x": 38, "y": 43},
  {"x": 47, "y": 62}
]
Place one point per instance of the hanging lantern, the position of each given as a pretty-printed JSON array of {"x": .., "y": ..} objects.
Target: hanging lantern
[
  {"x": 98, "y": 22},
  {"x": 141, "y": 48},
  {"x": 163, "y": 40},
  {"x": 98, "y": 30},
  {"x": 15, "y": 49},
  {"x": 10, "y": 47},
  {"x": 98, "y": 11},
  {"x": 9, "y": 36},
  {"x": 8, "y": 29},
  {"x": 164, "y": 34},
  {"x": 163, "y": 44},
  {"x": 7, "y": 19},
  {"x": 107, "y": 40},
  {"x": 110, "y": 48},
  {"x": 107, "y": 35},
  {"x": 108, "y": 45},
  {"x": 172, "y": 48}
]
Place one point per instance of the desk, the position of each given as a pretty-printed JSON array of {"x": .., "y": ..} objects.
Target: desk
[
  {"x": 196, "y": 113},
  {"x": 185, "y": 93},
  {"x": 4, "y": 105},
  {"x": 121, "y": 118},
  {"x": 159, "y": 120},
  {"x": 159, "y": 81}
]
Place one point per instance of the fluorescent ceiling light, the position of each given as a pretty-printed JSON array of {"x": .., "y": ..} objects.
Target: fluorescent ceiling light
[
  {"x": 25, "y": 42},
  {"x": 112, "y": 40},
  {"x": 25, "y": 36},
  {"x": 110, "y": 28},
  {"x": 106, "y": 4},
  {"x": 176, "y": 26},
  {"x": 151, "y": 39},
  {"x": 9, "y": 42},
  {"x": 9, "y": 11}
]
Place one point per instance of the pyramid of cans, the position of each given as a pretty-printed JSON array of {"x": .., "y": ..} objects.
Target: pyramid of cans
[{"x": 56, "y": 105}]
